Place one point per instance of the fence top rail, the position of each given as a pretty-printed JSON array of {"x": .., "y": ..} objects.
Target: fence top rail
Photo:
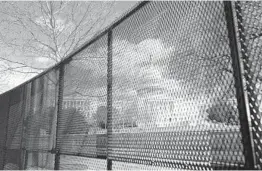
[{"x": 98, "y": 35}]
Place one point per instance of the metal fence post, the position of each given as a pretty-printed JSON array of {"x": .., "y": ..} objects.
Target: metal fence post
[
  {"x": 251, "y": 89},
  {"x": 239, "y": 85},
  {"x": 59, "y": 109},
  {"x": 23, "y": 150},
  {"x": 109, "y": 95}
]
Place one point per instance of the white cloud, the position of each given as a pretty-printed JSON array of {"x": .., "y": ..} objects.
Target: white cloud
[
  {"x": 140, "y": 62},
  {"x": 42, "y": 59},
  {"x": 14, "y": 79},
  {"x": 43, "y": 62},
  {"x": 10, "y": 78}
]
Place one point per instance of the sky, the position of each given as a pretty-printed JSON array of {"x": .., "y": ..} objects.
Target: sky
[{"x": 12, "y": 79}]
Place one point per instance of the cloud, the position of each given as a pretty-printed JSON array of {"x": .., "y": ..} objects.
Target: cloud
[
  {"x": 14, "y": 79},
  {"x": 43, "y": 62},
  {"x": 137, "y": 55},
  {"x": 134, "y": 65},
  {"x": 11, "y": 78},
  {"x": 42, "y": 59},
  {"x": 140, "y": 62}
]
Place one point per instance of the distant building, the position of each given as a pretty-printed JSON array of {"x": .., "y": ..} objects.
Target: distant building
[
  {"x": 79, "y": 103},
  {"x": 88, "y": 106},
  {"x": 159, "y": 102},
  {"x": 167, "y": 112}
]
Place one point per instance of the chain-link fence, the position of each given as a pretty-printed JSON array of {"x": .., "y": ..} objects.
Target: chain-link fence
[{"x": 171, "y": 85}]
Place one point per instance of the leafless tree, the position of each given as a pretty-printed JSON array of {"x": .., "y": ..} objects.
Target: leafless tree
[{"x": 46, "y": 31}]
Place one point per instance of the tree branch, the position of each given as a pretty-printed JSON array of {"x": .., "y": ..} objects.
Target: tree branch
[{"x": 20, "y": 63}]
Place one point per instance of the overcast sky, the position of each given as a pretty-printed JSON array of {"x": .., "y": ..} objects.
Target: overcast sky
[{"x": 10, "y": 80}]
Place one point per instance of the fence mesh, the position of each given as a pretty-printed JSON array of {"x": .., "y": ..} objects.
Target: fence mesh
[
  {"x": 13, "y": 159},
  {"x": 4, "y": 101},
  {"x": 172, "y": 105},
  {"x": 68, "y": 162},
  {"x": 15, "y": 118},
  {"x": 12, "y": 154},
  {"x": 36, "y": 160},
  {"x": 250, "y": 29},
  {"x": 40, "y": 119},
  {"x": 82, "y": 123},
  {"x": 174, "y": 102}
]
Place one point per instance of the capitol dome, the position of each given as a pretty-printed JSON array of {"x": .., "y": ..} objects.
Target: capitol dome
[
  {"x": 151, "y": 83},
  {"x": 149, "y": 80}
]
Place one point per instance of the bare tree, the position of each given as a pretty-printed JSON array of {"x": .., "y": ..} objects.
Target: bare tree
[{"x": 43, "y": 33}]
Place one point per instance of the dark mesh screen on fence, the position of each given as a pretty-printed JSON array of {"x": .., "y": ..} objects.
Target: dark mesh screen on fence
[
  {"x": 171, "y": 85},
  {"x": 250, "y": 37},
  {"x": 4, "y": 107},
  {"x": 39, "y": 161},
  {"x": 13, "y": 159},
  {"x": 1, "y": 158},
  {"x": 12, "y": 154},
  {"x": 40, "y": 121},
  {"x": 15, "y": 119}
]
